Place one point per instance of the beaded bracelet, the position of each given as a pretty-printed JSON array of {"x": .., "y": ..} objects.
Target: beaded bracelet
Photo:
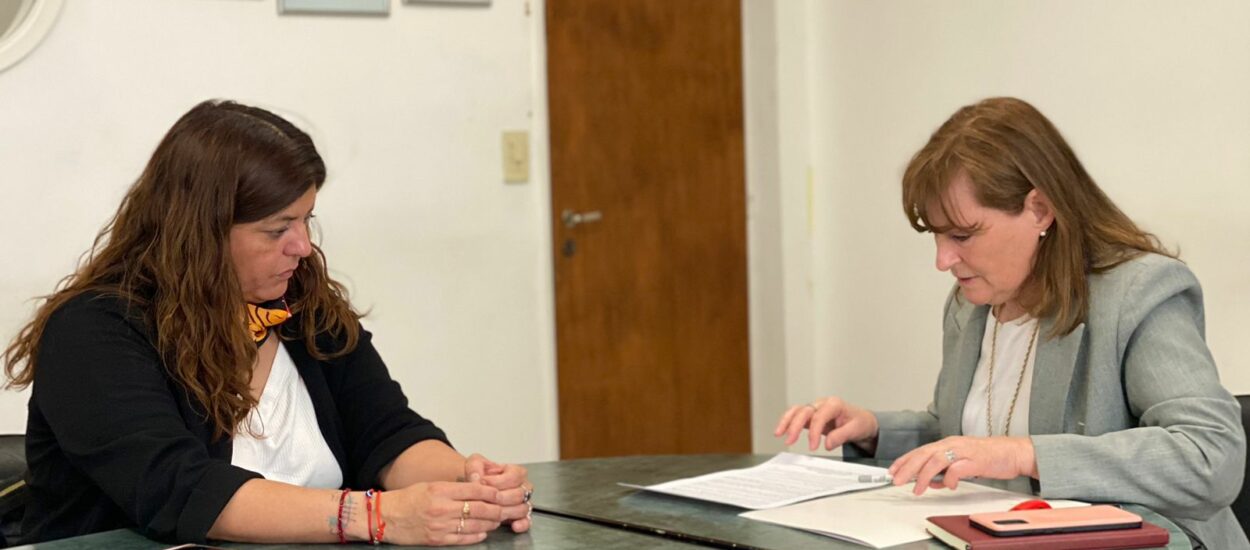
[
  {"x": 369, "y": 516},
  {"x": 373, "y": 505}
]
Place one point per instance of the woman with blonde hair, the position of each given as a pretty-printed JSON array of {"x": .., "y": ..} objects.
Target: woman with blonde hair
[
  {"x": 202, "y": 376},
  {"x": 1073, "y": 348}
]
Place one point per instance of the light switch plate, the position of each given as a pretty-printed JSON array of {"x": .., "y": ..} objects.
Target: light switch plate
[{"x": 516, "y": 156}]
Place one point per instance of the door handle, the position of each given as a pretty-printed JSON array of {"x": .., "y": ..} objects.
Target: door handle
[{"x": 572, "y": 219}]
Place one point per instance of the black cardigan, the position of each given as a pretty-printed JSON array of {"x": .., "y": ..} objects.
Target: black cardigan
[{"x": 114, "y": 442}]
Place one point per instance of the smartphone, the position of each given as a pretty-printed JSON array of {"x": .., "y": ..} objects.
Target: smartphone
[{"x": 1059, "y": 520}]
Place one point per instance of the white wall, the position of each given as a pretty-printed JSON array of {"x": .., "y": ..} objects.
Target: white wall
[
  {"x": 455, "y": 265},
  {"x": 407, "y": 111},
  {"x": 765, "y": 238},
  {"x": 779, "y": 102},
  {"x": 1151, "y": 94}
]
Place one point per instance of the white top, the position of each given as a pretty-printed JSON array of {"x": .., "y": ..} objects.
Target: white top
[
  {"x": 291, "y": 448},
  {"x": 1013, "y": 343}
]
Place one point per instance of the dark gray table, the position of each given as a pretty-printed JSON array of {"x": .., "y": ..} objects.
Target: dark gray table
[
  {"x": 578, "y": 504},
  {"x": 547, "y": 532},
  {"x": 587, "y": 490}
]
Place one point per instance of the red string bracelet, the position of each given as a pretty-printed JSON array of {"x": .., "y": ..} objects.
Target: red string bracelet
[
  {"x": 381, "y": 524},
  {"x": 342, "y": 499}
]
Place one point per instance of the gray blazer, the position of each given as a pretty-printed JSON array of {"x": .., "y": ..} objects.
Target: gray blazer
[{"x": 1126, "y": 408}]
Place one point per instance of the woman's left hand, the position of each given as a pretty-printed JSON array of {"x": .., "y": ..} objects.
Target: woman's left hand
[
  {"x": 513, "y": 485},
  {"x": 961, "y": 457}
]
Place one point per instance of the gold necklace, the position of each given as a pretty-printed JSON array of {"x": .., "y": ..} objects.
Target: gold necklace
[{"x": 989, "y": 387}]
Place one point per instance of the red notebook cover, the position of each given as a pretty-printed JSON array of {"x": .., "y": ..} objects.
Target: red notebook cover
[{"x": 958, "y": 532}]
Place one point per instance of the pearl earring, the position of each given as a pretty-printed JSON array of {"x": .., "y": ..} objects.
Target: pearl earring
[{"x": 1042, "y": 234}]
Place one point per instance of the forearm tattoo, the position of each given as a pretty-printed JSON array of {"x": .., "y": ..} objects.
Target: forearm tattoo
[{"x": 349, "y": 512}]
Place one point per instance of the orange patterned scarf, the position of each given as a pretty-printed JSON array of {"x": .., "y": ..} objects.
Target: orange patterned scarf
[{"x": 262, "y": 316}]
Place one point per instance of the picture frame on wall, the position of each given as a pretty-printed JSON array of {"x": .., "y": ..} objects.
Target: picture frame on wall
[
  {"x": 336, "y": 7},
  {"x": 451, "y": 2}
]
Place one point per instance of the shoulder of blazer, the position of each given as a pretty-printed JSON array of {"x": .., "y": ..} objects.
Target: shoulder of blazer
[
  {"x": 100, "y": 309},
  {"x": 1147, "y": 265},
  {"x": 1138, "y": 284}
]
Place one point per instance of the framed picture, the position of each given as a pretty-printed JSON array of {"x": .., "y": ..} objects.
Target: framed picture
[
  {"x": 451, "y": 2},
  {"x": 336, "y": 7}
]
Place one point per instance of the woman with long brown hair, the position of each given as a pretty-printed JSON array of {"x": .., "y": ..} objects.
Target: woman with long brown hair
[
  {"x": 1073, "y": 349},
  {"x": 201, "y": 375}
]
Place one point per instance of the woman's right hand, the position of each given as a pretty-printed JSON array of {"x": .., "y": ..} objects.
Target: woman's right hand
[
  {"x": 836, "y": 420},
  {"x": 433, "y": 514},
  {"x": 514, "y": 488}
]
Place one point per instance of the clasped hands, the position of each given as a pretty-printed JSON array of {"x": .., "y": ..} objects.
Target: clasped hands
[
  {"x": 955, "y": 457},
  {"x": 463, "y": 511}
]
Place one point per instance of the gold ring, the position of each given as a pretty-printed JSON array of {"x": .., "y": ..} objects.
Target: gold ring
[
  {"x": 464, "y": 512},
  {"x": 460, "y": 528},
  {"x": 814, "y": 406}
]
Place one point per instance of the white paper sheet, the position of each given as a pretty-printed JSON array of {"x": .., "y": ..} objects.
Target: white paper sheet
[
  {"x": 785, "y": 479},
  {"x": 892, "y": 515}
]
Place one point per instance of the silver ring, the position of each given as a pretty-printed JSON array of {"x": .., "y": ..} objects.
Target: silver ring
[
  {"x": 460, "y": 528},
  {"x": 814, "y": 406},
  {"x": 950, "y": 455},
  {"x": 528, "y": 493}
]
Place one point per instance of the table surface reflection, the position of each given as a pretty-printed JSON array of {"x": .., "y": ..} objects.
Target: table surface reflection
[{"x": 588, "y": 490}]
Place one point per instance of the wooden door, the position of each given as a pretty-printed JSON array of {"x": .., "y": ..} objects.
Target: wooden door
[{"x": 651, "y": 300}]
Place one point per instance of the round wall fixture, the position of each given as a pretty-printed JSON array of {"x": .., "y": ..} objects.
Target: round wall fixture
[{"x": 23, "y": 24}]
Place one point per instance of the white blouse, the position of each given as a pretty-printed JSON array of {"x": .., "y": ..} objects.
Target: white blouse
[
  {"x": 291, "y": 448},
  {"x": 1013, "y": 344}
]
